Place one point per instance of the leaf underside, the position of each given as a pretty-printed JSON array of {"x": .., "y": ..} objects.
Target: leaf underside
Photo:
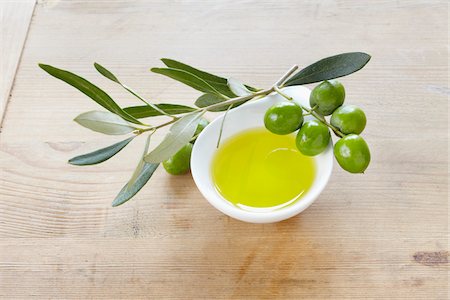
[
  {"x": 238, "y": 87},
  {"x": 104, "y": 122},
  {"x": 179, "y": 135}
]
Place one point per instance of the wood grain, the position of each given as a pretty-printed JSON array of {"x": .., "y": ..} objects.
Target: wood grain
[
  {"x": 15, "y": 17},
  {"x": 383, "y": 235}
]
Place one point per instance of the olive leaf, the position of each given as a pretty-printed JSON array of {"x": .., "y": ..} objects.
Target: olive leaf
[
  {"x": 237, "y": 87},
  {"x": 179, "y": 135},
  {"x": 100, "y": 155},
  {"x": 219, "y": 83},
  {"x": 104, "y": 122},
  {"x": 102, "y": 70},
  {"x": 145, "y": 111},
  {"x": 89, "y": 89},
  {"x": 140, "y": 177},
  {"x": 128, "y": 191},
  {"x": 108, "y": 74},
  {"x": 210, "y": 99},
  {"x": 188, "y": 79},
  {"x": 330, "y": 68},
  {"x": 222, "y": 125},
  {"x": 141, "y": 163}
]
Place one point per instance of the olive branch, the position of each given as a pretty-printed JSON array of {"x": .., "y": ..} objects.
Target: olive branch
[{"x": 218, "y": 94}]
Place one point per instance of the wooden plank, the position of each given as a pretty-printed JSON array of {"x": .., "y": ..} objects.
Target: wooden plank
[
  {"x": 15, "y": 17},
  {"x": 259, "y": 267},
  {"x": 383, "y": 235}
]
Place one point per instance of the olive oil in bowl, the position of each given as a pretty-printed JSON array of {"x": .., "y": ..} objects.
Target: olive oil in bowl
[{"x": 257, "y": 170}]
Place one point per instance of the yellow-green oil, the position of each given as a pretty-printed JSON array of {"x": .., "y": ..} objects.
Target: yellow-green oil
[{"x": 257, "y": 169}]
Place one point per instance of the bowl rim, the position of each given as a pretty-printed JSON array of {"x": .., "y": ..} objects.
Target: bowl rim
[{"x": 223, "y": 205}]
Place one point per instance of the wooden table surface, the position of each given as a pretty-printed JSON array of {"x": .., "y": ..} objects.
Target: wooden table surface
[{"x": 382, "y": 235}]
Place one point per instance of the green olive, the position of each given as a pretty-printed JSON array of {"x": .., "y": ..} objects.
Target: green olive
[
  {"x": 201, "y": 125},
  {"x": 349, "y": 119},
  {"x": 180, "y": 162},
  {"x": 352, "y": 153},
  {"x": 283, "y": 118},
  {"x": 328, "y": 96},
  {"x": 313, "y": 138}
]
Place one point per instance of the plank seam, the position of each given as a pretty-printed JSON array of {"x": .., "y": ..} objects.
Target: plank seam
[{"x": 11, "y": 88}]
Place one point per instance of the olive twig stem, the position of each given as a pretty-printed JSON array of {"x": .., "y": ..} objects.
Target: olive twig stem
[
  {"x": 154, "y": 128},
  {"x": 154, "y": 106},
  {"x": 238, "y": 99},
  {"x": 142, "y": 130},
  {"x": 282, "y": 94},
  {"x": 322, "y": 119},
  {"x": 286, "y": 76},
  {"x": 167, "y": 123}
]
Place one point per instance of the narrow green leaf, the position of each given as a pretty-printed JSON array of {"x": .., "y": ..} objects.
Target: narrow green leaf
[
  {"x": 219, "y": 83},
  {"x": 90, "y": 90},
  {"x": 141, "y": 163},
  {"x": 330, "y": 68},
  {"x": 179, "y": 135},
  {"x": 140, "y": 177},
  {"x": 222, "y": 125},
  {"x": 210, "y": 99},
  {"x": 237, "y": 87},
  {"x": 104, "y": 122},
  {"x": 128, "y": 191},
  {"x": 145, "y": 111},
  {"x": 252, "y": 89},
  {"x": 102, "y": 70},
  {"x": 108, "y": 74},
  {"x": 100, "y": 155},
  {"x": 187, "y": 78}
]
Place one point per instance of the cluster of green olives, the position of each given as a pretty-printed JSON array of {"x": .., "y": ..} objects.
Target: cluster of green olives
[
  {"x": 313, "y": 137},
  {"x": 180, "y": 162}
]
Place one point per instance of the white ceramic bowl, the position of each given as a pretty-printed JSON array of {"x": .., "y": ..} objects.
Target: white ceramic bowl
[{"x": 251, "y": 115}]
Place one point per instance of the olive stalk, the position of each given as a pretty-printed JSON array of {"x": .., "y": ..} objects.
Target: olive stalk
[
  {"x": 312, "y": 113},
  {"x": 322, "y": 119},
  {"x": 154, "y": 128},
  {"x": 286, "y": 76},
  {"x": 277, "y": 89},
  {"x": 238, "y": 99}
]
